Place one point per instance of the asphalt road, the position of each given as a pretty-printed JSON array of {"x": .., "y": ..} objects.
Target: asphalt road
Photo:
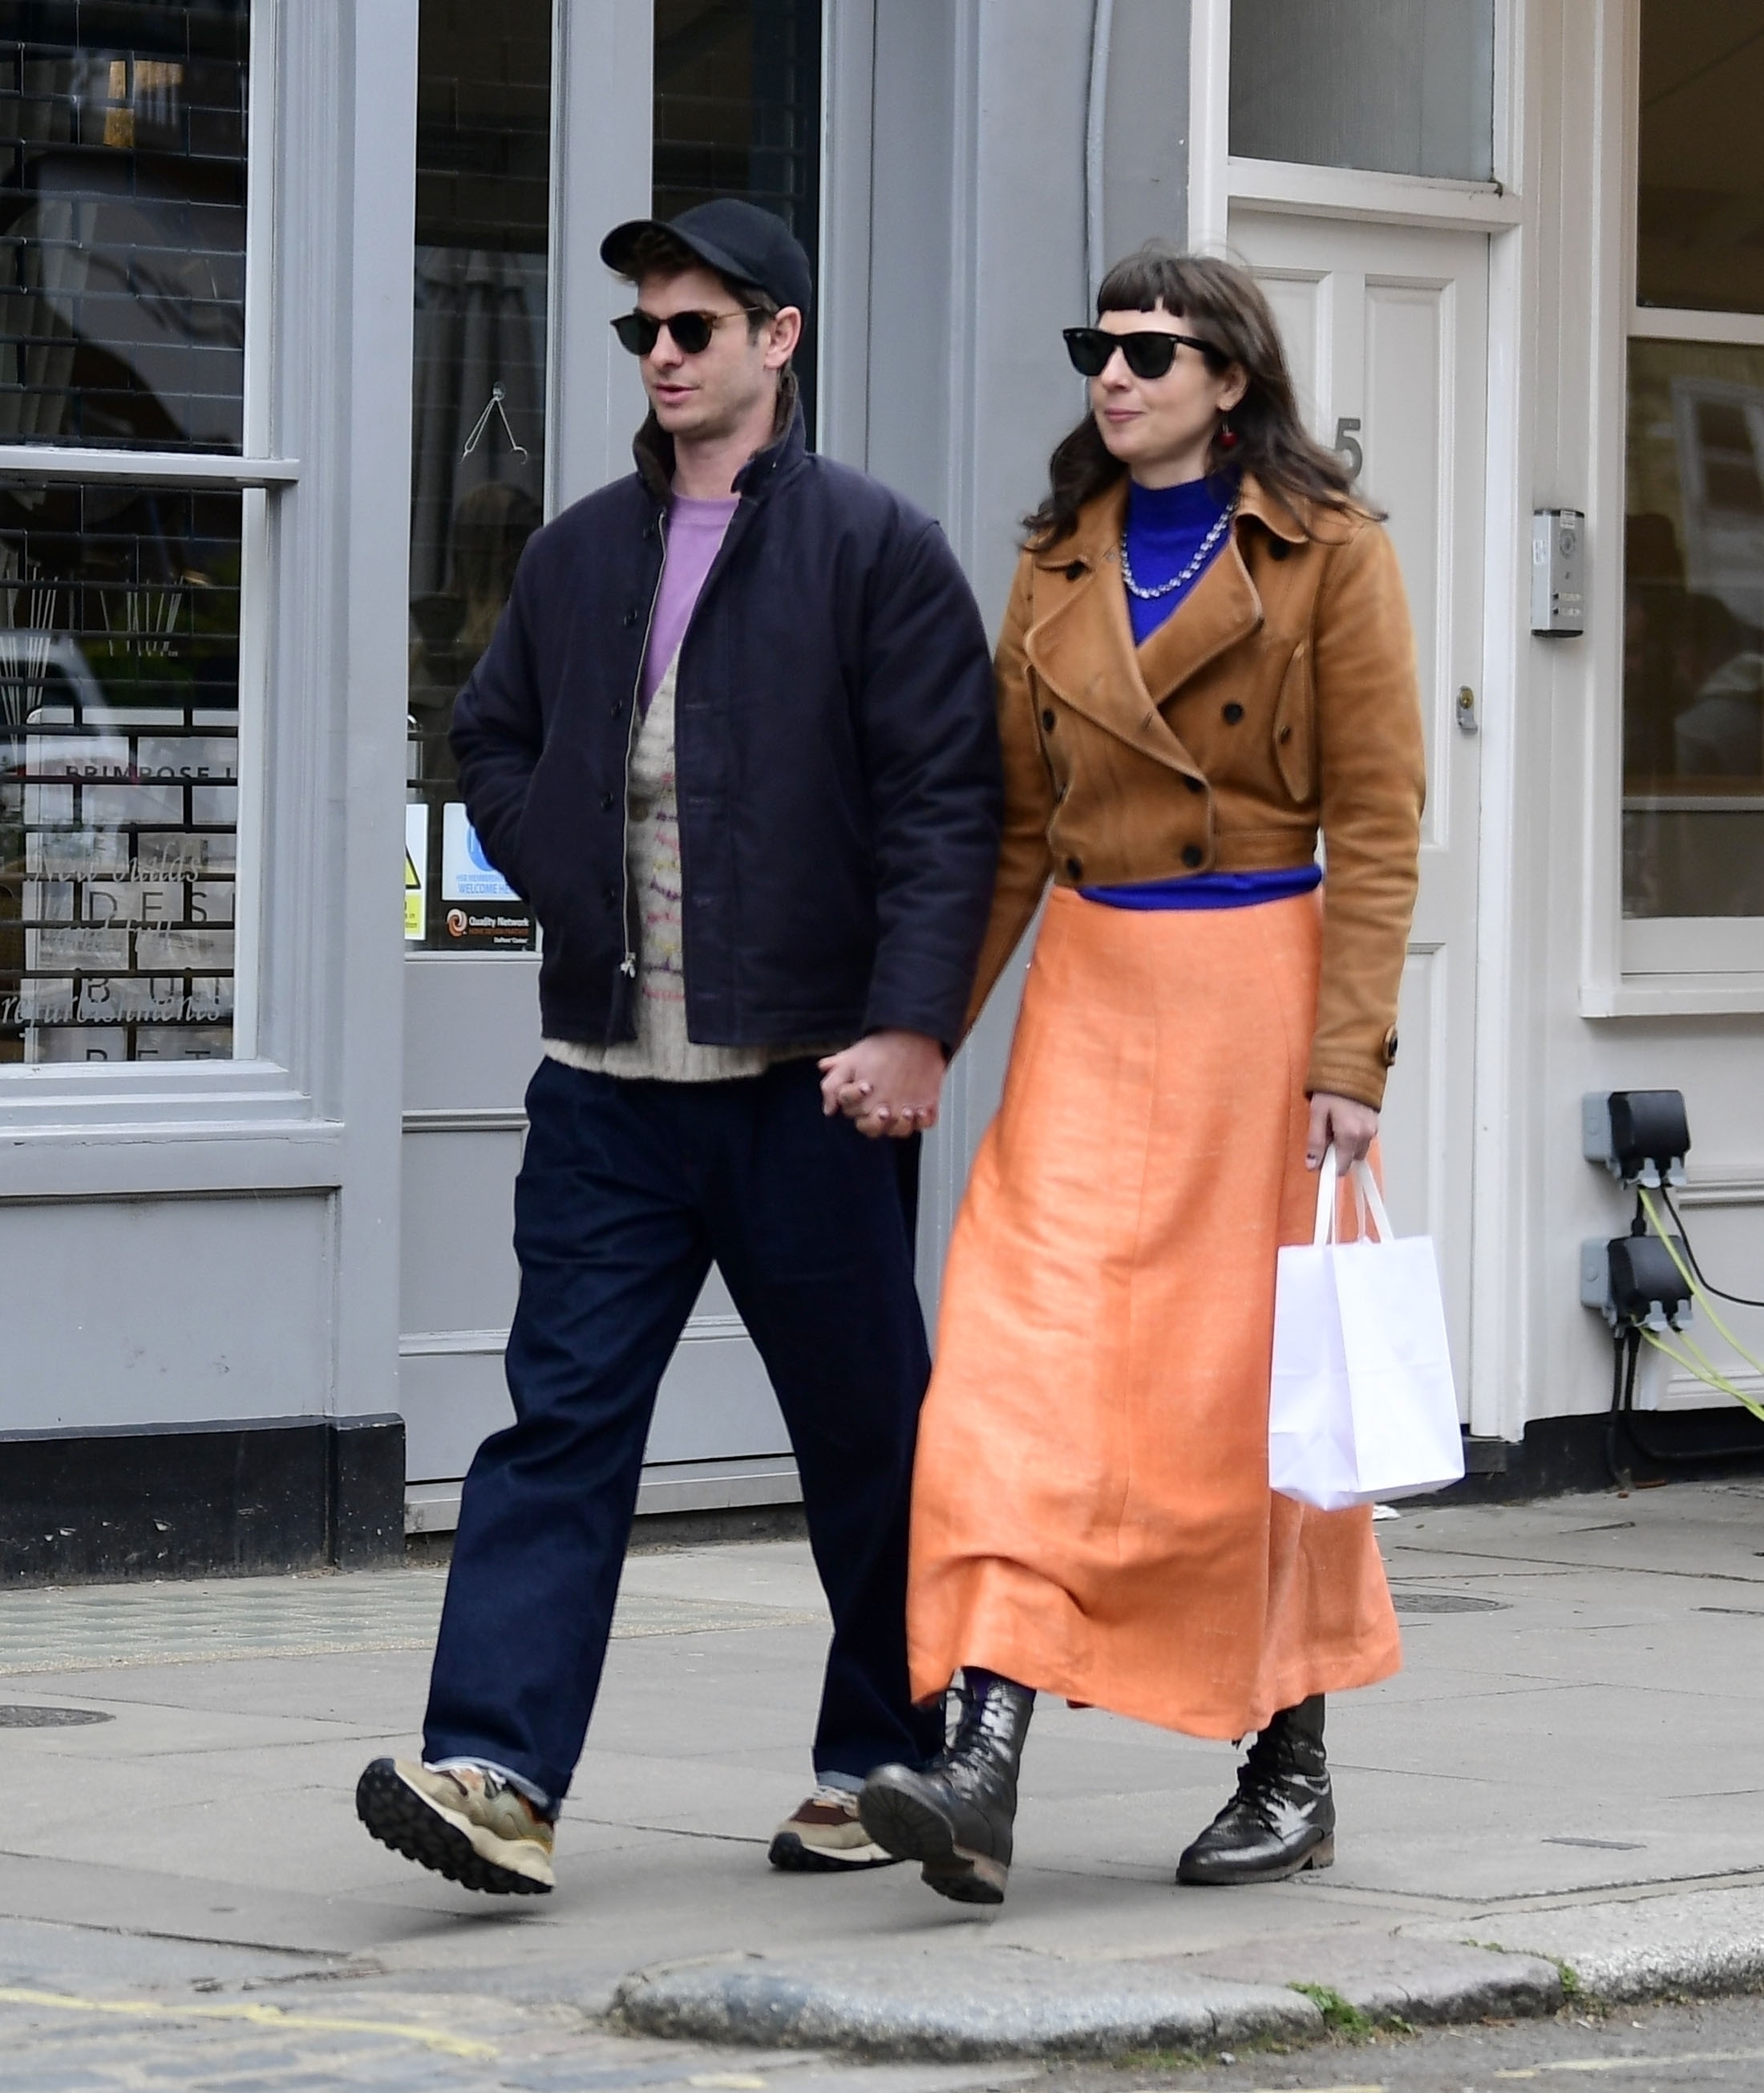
[
  {"x": 301, "y": 2038},
  {"x": 1643, "y": 2049}
]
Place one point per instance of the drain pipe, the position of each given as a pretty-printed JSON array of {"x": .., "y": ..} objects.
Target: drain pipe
[{"x": 1095, "y": 137}]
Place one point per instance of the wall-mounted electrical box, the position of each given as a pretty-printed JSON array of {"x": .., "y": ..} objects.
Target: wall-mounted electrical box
[
  {"x": 1641, "y": 1137},
  {"x": 1635, "y": 1283},
  {"x": 1559, "y": 588}
]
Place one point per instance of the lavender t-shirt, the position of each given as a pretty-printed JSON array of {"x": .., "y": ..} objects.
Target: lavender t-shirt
[{"x": 695, "y": 531}]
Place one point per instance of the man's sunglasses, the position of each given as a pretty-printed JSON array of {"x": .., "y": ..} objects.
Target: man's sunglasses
[
  {"x": 1150, "y": 352},
  {"x": 639, "y": 332}
]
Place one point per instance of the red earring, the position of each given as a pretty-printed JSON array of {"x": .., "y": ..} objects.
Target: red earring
[{"x": 1227, "y": 438}]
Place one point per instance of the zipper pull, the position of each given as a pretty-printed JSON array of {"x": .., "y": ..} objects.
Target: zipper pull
[{"x": 628, "y": 965}]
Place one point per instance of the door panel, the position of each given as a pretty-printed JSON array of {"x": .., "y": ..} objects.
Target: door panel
[
  {"x": 1386, "y": 332},
  {"x": 499, "y": 263}
]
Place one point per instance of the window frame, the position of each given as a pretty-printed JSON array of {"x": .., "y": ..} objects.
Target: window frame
[
  {"x": 1655, "y": 966},
  {"x": 82, "y": 1091},
  {"x": 1218, "y": 178}
]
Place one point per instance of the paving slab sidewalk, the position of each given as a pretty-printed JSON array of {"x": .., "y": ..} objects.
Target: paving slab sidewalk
[{"x": 1565, "y": 1774}]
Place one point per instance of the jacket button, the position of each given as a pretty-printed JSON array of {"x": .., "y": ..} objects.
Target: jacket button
[
  {"x": 1234, "y": 713},
  {"x": 615, "y": 709},
  {"x": 1194, "y": 784},
  {"x": 1047, "y": 721},
  {"x": 607, "y": 802},
  {"x": 1390, "y": 1047},
  {"x": 609, "y": 894},
  {"x": 1193, "y": 855},
  {"x": 1285, "y": 734},
  {"x": 630, "y": 617},
  {"x": 1075, "y": 866},
  {"x": 1060, "y": 795}
]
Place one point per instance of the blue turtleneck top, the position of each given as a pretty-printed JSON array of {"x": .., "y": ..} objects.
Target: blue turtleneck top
[{"x": 1166, "y": 526}]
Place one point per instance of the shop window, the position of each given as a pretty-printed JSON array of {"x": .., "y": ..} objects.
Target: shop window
[
  {"x": 1401, "y": 87},
  {"x": 1693, "y": 659},
  {"x": 122, "y": 226},
  {"x": 1700, "y": 195},
  {"x": 737, "y": 113},
  {"x": 1693, "y": 546},
  {"x": 478, "y": 468},
  {"x": 118, "y": 771}
]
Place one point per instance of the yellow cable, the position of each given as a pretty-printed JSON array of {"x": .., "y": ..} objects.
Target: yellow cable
[
  {"x": 1699, "y": 1292},
  {"x": 1700, "y": 1368},
  {"x": 1724, "y": 1382}
]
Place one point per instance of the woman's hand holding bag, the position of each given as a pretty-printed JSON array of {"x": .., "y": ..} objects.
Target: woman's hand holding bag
[{"x": 1362, "y": 1404}]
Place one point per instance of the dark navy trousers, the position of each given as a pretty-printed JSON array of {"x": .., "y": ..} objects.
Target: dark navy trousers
[{"x": 627, "y": 1193}]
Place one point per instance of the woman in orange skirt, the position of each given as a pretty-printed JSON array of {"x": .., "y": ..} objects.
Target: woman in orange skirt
[{"x": 1206, "y": 661}]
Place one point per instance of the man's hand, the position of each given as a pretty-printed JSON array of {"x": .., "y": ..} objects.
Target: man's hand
[
  {"x": 887, "y": 1083},
  {"x": 1352, "y": 1126}
]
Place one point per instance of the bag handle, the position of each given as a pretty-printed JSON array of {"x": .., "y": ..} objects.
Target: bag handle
[
  {"x": 1367, "y": 1199},
  {"x": 1324, "y": 1231}
]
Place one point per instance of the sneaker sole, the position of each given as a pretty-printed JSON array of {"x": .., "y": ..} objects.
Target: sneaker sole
[
  {"x": 912, "y": 1830},
  {"x": 400, "y": 1818},
  {"x": 1322, "y": 1855},
  {"x": 790, "y": 1853}
]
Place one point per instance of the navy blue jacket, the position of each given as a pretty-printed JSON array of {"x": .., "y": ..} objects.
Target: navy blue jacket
[{"x": 836, "y": 753}]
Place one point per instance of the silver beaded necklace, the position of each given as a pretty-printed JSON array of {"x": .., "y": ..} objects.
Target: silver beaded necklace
[{"x": 1202, "y": 553}]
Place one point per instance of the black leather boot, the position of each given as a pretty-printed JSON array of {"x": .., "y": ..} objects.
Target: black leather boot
[
  {"x": 1281, "y": 1820},
  {"x": 955, "y": 1815}
]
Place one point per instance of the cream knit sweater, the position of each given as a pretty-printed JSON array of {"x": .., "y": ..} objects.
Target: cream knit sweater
[{"x": 662, "y": 1050}]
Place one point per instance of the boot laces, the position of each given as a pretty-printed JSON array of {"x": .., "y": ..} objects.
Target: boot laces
[{"x": 1274, "y": 1755}]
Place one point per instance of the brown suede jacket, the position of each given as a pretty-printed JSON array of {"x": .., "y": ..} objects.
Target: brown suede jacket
[{"x": 1279, "y": 698}]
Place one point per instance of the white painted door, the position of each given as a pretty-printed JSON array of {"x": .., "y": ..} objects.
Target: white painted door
[{"x": 1386, "y": 330}]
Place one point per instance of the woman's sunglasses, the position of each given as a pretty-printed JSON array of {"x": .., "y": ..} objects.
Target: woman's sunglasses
[
  {"x": 1150, "y": 352},
  {"x": 639, "y": 332}
]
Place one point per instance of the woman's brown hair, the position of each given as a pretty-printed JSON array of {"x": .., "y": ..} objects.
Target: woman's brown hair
[{"x": 1224, "y": 304}]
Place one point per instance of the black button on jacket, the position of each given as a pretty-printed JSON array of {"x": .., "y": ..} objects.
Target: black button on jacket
[{"x": 836, "y": 754}]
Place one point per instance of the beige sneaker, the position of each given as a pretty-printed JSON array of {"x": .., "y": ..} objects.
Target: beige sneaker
[
  {"x": 823, "y": 1836},
  {"x": 466, "y": 1824}
]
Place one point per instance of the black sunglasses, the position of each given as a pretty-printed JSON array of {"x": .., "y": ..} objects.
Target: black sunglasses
[
  {"x": 1150, "y": 351},
  {"x": 639, "y": 332}
]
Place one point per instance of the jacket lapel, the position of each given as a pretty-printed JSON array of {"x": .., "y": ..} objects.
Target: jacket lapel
[
  {"x": 1220, "y": 609},
  {"x": 1083, "y": 647}
]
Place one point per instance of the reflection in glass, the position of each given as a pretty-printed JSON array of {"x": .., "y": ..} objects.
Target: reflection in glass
[
  {"x": 478, "y": 475},
  {"x": 118, "y": 771},
  {"x": 1403, "y": 87},
  {"x": 1693, "y": 665},
  {"x": 123, "y": 223},
  {"x": 737, "y": 113},
  {"x": 1700, "y": 200}
]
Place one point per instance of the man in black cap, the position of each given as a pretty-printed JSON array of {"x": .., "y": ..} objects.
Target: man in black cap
[{"x": 734, "y": 738}]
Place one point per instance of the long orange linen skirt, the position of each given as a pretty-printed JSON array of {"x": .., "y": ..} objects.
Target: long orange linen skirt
[{"x": 1091, "y": 1510}]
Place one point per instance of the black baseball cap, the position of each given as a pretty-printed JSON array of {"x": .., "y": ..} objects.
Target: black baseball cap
[{"x": 737, "y": 239}]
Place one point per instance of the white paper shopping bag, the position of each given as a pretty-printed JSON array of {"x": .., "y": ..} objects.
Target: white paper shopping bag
[{"x": 1362, "y": 1404}]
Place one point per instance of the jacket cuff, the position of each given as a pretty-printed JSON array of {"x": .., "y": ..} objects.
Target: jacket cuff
[
  {"x": 1361, "y": 1082},
  {"x": 1359, "y": 1073}
]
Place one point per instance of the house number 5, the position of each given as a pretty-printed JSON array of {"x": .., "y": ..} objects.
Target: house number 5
[{"x": 1347, "y": 442}]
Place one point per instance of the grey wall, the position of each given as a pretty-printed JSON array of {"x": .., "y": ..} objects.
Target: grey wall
[
  {"x": 976, "y": 239},
  {"x": 976, "y": 224},
  {"x": 167, "y": 1311},
  {"x": 1146, "y": 148}
]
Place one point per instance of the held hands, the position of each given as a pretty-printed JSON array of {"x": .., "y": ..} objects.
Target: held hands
[
  {"x": 1350, "y": 1125},
  {"x": 888, "y": 1083}
]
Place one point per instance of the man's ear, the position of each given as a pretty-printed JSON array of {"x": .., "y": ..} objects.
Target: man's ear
[{"x": 784, "y": 332}]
